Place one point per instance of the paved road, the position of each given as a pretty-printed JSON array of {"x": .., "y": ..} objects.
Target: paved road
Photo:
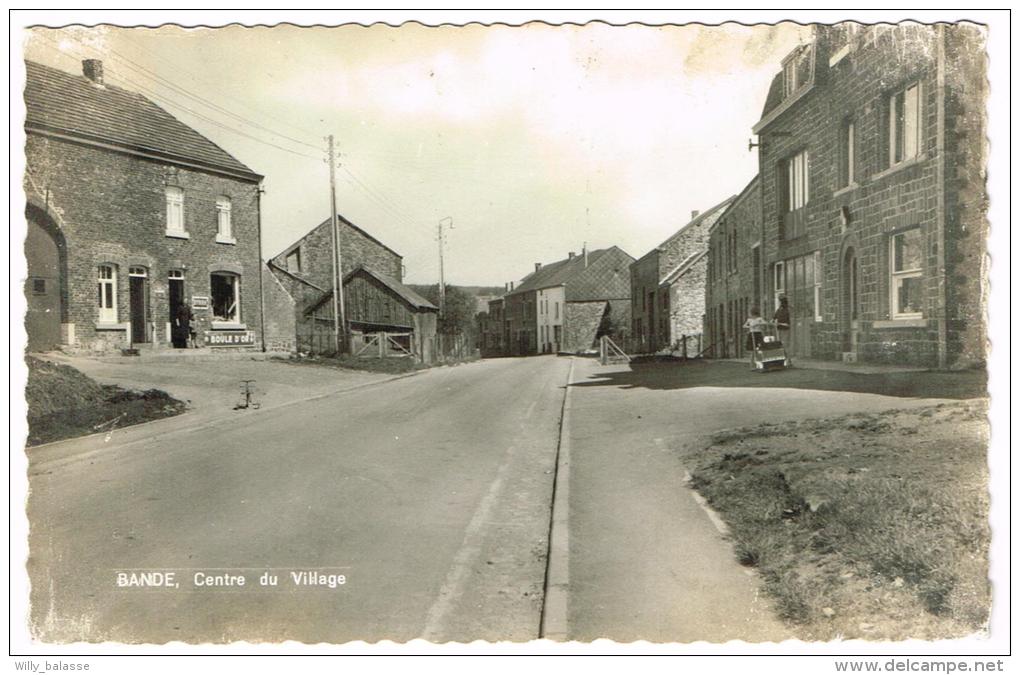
[
  {"x": 645, "y": 560},
  {"x": 431, "y": 494}
]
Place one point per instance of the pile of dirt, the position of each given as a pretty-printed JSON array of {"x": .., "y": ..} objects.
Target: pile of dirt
[
  {"x": 54, "y": 387},
  {"x": 65, "y": 403},
  {"x": 870, "y": 526}
]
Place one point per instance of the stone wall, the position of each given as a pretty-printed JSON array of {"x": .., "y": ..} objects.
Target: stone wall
[
  {"x": 941, "y": 192},
  {"x": 112, "y": 206}
]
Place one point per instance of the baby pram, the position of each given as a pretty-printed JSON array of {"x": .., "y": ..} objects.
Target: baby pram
[{"x": 767, "y": 350}]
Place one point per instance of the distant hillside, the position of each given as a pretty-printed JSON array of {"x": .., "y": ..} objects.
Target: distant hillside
[{"x": 423, "y": 289}]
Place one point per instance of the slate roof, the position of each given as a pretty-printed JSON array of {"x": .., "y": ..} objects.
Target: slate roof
[
  {"x": 775, "y": 95},
  {"x": 60, "y": 103},
  {"x": 604, "y": 277}
]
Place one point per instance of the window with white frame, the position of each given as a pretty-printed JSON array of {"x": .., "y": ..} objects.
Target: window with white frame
[
  {"x": 797, "y": 70},
  {"x": 905, "y": 124},
  {"x": 175, "y": 211},
  {"x": 905, "y": 253},
  {"x": 847, "y": 141},
  {"x": 224, "y": 226},
  {"x": 779, "y": 284},
  {"x": 107, "y": 282},
  {"x": 818, "y": 285},
  {"x": 225, "y": 289},
  {"x": 797, "y": 181}
]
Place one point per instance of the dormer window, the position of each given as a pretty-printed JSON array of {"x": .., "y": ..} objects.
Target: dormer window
[{"x": 798, "y": 70}]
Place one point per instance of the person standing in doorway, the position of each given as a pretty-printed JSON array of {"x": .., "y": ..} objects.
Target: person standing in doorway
[
  {"x": 782, "y": 319},
  {"x": 181, "y": 332}
]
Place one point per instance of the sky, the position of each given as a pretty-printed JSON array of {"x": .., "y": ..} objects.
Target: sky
[{"x": 532, "y": 141}]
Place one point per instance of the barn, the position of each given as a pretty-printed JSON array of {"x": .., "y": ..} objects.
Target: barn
[{"x": 384, "y": 317}]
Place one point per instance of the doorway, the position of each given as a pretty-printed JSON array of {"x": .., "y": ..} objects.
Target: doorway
[
  {"x": 175, "y": 296},
  {"x": 138, "y": 303},
  {"x": 851, "y": 306}
]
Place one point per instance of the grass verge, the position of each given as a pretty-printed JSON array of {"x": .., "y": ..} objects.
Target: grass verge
[
  {"x": 863, "y": 526},
  {"x": 64, "y": 403}
]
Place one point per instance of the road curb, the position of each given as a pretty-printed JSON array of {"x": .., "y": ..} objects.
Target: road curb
[{"x": 553, "y": 622}]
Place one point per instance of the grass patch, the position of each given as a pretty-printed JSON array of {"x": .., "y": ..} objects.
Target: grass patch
[
  {"x": 861, "y": 526},
  {"x": 64, "y": 403}
]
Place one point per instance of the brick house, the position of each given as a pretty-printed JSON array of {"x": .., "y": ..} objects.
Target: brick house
[
  {"x": 566, "y": 305},
  {"x": 735, "y": 274},
  {"x": 130, "y": 214},
  {"x": 871, "y": 157},
  {"x": 305, "y": 270},
  {"x": 667, "y": 286}
]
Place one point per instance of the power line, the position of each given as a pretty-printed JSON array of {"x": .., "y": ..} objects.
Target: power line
[
  {"x": 379, "y": 198},
  {"x": 162, "y": 98}
]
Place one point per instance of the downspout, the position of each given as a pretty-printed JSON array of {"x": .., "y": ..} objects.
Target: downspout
[
  {"x": 940, "y": 210},
  {"x": 262, "y": 296}
]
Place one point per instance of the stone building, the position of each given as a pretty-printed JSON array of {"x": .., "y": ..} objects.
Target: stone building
[
  {"x": 667, "y": 286},
  {"x": 871, "y": 155},
  {"x": 735, "y": 274},
  {"x": 566, "y": 305},
  {"x": 130, "y": 215},
  {"x": 305, "y": 271},
  {"x": 493, "y": 330}
]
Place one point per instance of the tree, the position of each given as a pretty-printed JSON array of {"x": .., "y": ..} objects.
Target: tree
[{"x": 459, "y": 315}]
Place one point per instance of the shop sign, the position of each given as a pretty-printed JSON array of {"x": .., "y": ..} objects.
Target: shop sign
[{"x": 230, "y": 338}]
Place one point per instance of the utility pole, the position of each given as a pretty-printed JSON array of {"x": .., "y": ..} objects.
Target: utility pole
[
  {"x": 339, "y": 325},
  {"x": 442, "y": 280}
]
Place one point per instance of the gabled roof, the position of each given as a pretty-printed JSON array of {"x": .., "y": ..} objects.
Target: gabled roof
[
  {"x": 72, "y": 106},
  {"x": 583, "y": 283},
  {"x": 708, "y": 217},
  {"x": 408, "y": 295},
  {"x": 325, "y": 223},
  {"x": 398, "y": 289},
  {"x": 737, "y": 201}
]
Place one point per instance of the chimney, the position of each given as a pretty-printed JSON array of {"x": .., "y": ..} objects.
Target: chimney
[
  {"x": 511, "y": 285},
  {"x": 93, "y": 69},
  {"x": 694, "y": 214},
  {"x": 538, "y": 266},
  {"x": 570, "y": 256}
]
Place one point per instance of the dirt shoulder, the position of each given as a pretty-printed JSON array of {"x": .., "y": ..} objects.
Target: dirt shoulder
[
  {"x": 869, "y": 526},
  {"x": 65, "y": 403}
]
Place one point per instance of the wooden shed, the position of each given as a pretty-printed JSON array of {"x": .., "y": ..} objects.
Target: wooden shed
[{"x": 384, "y": 317}]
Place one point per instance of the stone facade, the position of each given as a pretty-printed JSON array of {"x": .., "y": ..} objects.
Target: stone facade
[
  {"x": 576, "y": 283},
  {"x": 905, "y": 188},
  {"x": 110, "y": 209},
  {"x": 305, "y": 269},
  {"x": 357, "y": 248},
  {"x": 661, "y": 314},
  {"x": 735, "y": 275}
]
